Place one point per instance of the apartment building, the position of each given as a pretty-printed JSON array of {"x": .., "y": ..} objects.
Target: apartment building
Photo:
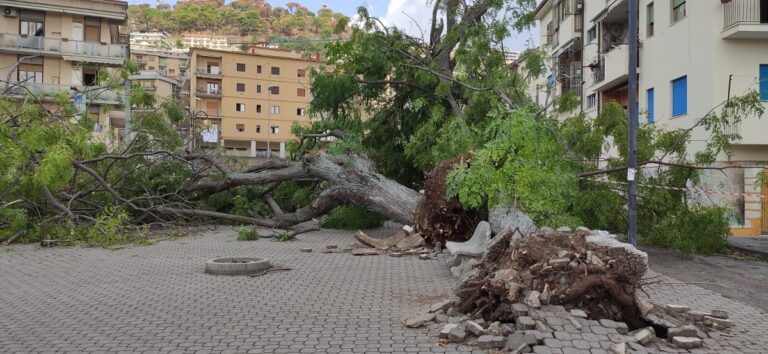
[
  {"x": 250, "y": 100},
  {"x": 150, "y": 40},
  {"x": 693, "y": 56},
  {"x": 208, "y": 42},
  {"x": 170, "y": 63},
  {"x": 61, "y": 46}
]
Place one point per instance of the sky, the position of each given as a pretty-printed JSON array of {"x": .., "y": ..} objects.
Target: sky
[{"x": 409, "y": 15}]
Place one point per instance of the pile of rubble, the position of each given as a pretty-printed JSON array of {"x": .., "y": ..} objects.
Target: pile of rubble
[{"x": 556, "y": 286}]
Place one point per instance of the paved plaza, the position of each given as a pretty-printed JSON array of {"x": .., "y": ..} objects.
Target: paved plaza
[{"x": 157, "y": 299}]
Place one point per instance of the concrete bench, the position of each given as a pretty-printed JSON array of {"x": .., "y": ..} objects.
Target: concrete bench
[{"x": 466, "y": 254}]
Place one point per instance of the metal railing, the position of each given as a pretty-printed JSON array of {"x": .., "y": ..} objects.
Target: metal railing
[
  {"x": 205, "y": 91},
  {"x": 738, "y": 12},
  {"x": 61, "y": 46},
  {"x": 92, "y": 93},
  {"x": 209, "y": 71},
  {"x": 598, "y": 74}
]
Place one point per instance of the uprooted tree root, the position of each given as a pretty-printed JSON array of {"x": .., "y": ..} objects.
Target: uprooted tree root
[
  {"x": 439, "y": 219},
  {"x": 564, "y": 268}
]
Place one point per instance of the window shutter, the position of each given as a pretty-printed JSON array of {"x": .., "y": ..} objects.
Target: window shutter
[
  {"x": 651, "y": 102},
  {"x": 764, "y": 82},
  {"x": 680, "y": 96}
]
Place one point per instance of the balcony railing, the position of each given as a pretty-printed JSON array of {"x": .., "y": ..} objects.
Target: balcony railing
[
  {"x": 63, "y": 47},
  {"x": 213, "y": 71},
  {"x": 737, "y": 12},
  {"x": 92, "y": 93},
  {"x": 207, "y": 92}
]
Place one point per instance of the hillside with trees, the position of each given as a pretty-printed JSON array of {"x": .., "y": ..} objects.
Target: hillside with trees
[{"x": 242, "y": 18}]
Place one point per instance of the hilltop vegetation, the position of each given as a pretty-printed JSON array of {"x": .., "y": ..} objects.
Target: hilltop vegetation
[{"x": 240, "y": 18}]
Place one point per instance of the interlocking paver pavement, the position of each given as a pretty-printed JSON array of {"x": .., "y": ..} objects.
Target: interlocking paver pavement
[{"x": 158, "y": 300}]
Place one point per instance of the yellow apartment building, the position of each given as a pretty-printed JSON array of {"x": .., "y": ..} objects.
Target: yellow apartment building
[
  {"x": 250, "y": 100},
  {"x": 169, "y": 63},
  {"x": 61, "y": 46}
]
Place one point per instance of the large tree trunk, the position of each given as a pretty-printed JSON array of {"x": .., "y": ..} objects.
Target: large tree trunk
[{"x": 352, "y": 179}]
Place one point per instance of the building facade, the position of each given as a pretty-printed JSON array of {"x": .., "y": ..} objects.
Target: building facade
[
  {"x": 60, "y": 46},
  {"x": 250, "y": 100},
  {"x": 170, "y": 63},
  {"x": 693, "y": 56},
  {"x": 150, "y": 40}
]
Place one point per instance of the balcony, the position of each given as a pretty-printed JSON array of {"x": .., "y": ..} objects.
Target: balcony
[
  {"x": 93, "y": 94},
  {"x": 613, "y": 68},
  {"x": 114, "y": 54},
  {"x": 205, "y": 92},
  {"x": 745, "y": 19},
  {"x": 211, "y": 72}
]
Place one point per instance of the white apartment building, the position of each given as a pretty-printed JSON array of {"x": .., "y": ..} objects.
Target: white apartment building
[
  {"x": 692, "y": 56},
  {"x": 208, "y": 42},
  {"x": 150, "y": 40}
]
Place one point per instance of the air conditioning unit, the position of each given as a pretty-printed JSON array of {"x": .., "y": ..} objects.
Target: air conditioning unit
[
  {"x": 10, "y": 12},
  {"x": 579, "y": 6}
]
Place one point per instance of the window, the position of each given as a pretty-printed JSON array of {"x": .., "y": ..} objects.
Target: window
[
  {"x": 258, "y": 108},
  {"x": 258, "y": 128},
  {"x": 241, "y": 67},
  {"x": 274, "y": 110},
  {"x": 592, "y": 101},
  {"x": 650, "y": 18},
  {"x": 274, "y": 129},
  {"x": 32, "y": 23},
  {"x": 275, "y": 90},
  {"x": 92, "y": 29},
  {"x": 300, "y": 111},
  {"x": 212, "y": 87},
  {"x": 275, "y": 70},
  {"x": 240, "y": 128},
  {"x": 90, "y": 76},
  {"x": 31, "y": 70},
  {"x": 240, "y": 107},
  {"x": 240, "y": 87},
  {"x": 592, "y": 34},
  {"x": 172, "y": 71},
  {"x": 562, "y": 11},
  {"x": 301, "y": 73},
  {"x": 680, "y": 96},
  {"x": 258, "y": 69},
  {"x": 258, "y": 88},
  {"x": 678, "y": 10},
  {"x": 651, "y": 101},
  {"x": 763, "y": 82},
  {"x": 301, "y": 92}
]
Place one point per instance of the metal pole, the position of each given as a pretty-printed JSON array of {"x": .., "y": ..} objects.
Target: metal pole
[
  {"x": 127, "y": 104},
  {"x": 633, "y": 121},
  {"x": 269, "y": 121}
]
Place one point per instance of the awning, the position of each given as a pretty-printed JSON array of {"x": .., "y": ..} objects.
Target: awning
[
  {"x": 567, "y": 46},
  {"x": 64, "y": 9},
  {"x": 99, "y": 60},
  {"x": 607, "y": 10}
]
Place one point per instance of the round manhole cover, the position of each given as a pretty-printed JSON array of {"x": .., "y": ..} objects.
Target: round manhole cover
[{"x": 236, "y": 266}]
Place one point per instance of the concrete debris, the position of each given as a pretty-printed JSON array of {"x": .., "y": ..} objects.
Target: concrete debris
[
  {"x": 719, "y": 314},
  {"x": 645, "y": 335},
  {"x": 491, "y": 342},
  {"x": 687, "y": 342},
  {"x": 419, "y": 321},
  {"x": 678, "y": 308},
  {"x": 446, "y": 329},
  {"x": 475, "y": 328},
  {"x": 685, "y": 331},
  {"x": 618, "y": 348},
  {"x": 364, "y": 252},
  {"x": 532, "y": 299}
]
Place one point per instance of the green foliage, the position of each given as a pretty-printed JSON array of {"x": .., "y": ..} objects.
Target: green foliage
[
  {"x": 248, "y": 234},
  {"x": 285, "y": 237},
  {"x": 351, "y": 217},
  {"x": 700, "y": 230},
  {"x": 291, "y": 195}
]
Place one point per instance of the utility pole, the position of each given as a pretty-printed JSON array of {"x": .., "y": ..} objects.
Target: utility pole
[
  {"x": 633, "y": 121},
  {"x": 127, "y": 104}
]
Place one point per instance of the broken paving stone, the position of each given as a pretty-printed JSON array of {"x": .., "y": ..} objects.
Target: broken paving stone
[
  {"x": 364, "y": 252},
  {"x": 419, "y": 321},
  {"x": 618, "y": 348},
  {"x": 636, "y": 348},
  {"x": 719, "y": 314},
  {"x": 718, "y": 321},
  {"x": 532, "y": 299},
  {"x": 522, "y": 348},
  {"x": 442, "y": 305},
  {"x": 687, "y": 342},
  {"x": 697, "y": 315},
  {"x": 494, "y": 328},
  {"x": 475, "y": 328},
  {"x": 383, "y": 243},
  {"x": 457, "y": 319},
  {"x": 518, "y": 338},
  {"x": 457, "y": 334},
  {"x": 452, "y": 311},
  {"x": 306, "y": 250},
  {"x": 441, "y": 318},
  {"x": 425, "y": 257},
  {"x": 541, "y": 326},
  {"x": 678, "y": 308},
  {"x": 525, "y": 322},
  {"x": 445, "y": 330},
  {"x": 519, "y": 309},
  {"x": 684, "y": 331},
  {"x": 507, "y": 329},
  {"x": 578, "y": 313},
  {"x": 645, "y": 335},
  {"x": 331, "y": 247},
  {"x": 490, "y": 342},
  {"x": 540, "y": 336}
]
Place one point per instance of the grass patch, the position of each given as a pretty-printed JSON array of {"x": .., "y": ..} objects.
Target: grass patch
[
  {"x": 248, "y": 234},
  {"x": 286, "y": 237}
]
